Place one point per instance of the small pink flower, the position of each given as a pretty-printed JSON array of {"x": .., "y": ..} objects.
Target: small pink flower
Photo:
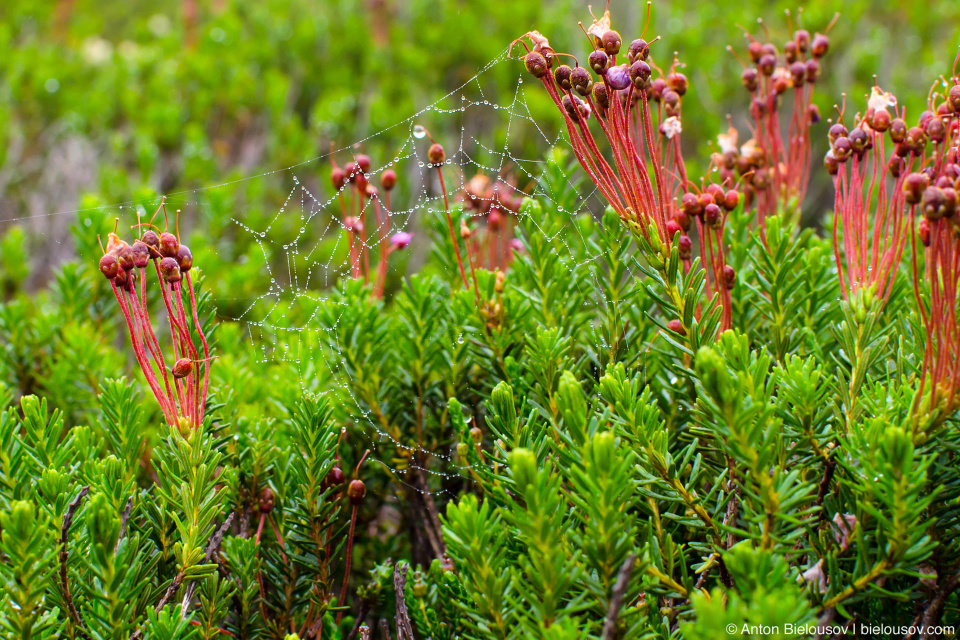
[
  {"x": 401, "y": 240},
  {"x": 517, "y": 245}
]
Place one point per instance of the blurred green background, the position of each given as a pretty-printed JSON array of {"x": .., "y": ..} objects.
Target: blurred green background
[{"x": 109, "y": 102}]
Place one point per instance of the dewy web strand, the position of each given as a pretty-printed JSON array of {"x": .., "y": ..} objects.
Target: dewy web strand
[
  {"x": 474, "y": 154},
  {"x": 477, "y": 152}
]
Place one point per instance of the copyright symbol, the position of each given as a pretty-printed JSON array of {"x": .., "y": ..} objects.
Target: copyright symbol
[{"x": 731, "y": 628}]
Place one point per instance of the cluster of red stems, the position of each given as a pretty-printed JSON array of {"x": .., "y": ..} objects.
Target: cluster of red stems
[
  {"x": 640, "y": 170},
  {"x": 496, "y": 204},
  {"x": 776, "y": 170},
  {"x": 357, "y": 195},
  {"x": 180, "y": 389},
  {"x": 490, "y": 249},
  {"x": 922, "y": 174}
]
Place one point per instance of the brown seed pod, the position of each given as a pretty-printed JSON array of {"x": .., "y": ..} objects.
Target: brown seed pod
[
  {"x": 729, "y": 276},
  {"x": 731, "y": 199},
  {"x": 141, "y": 254},
  {"x": 356, "y": 491},
  {"x": 388, "y": 180},
  {"x": 339, "y": 178},
  {"x": 830, "y": 163},
  {"x": 898, "y": 130},
  {"x": 124, "y": 256},
  {"x": 673, "y": 228},
  {"x": 598, "y": 61},
  {"x": 109, "y": 266},
  {"x": 152, "y": 240},
  {"x": 914, "y": 186},
  {"x": 184, "y": 258},
  {"x": 678, "y": 82},
  {"x": 923, "y": 230},
  {"x": 536, "y": 64},
  {"x": 640, "y": 74},
  {"x": 895, "y": 166},
  {"x": 436, "y": 154},
  {"x": 182, "y": 368},
  {"x": 610, "y": 41},
  {"x": 363, "y": 163},
  {"x": 953, "y": 98},
  {"x": 562, "y": 75},
  {"x": 713, "y": 216},
  {"x": 677, "y": 327},
  {"x": 266, "y": 500},
  {"x": 820, "y": 46},
  {"x": 170, "y": 269},
  {"x": 639, "y": 49},
  {"x": 600, "y": 95},
  {"x": 335, "y": 478},
  {"x": 169, "y": 245},
  {"x": 580, "y": 80}
]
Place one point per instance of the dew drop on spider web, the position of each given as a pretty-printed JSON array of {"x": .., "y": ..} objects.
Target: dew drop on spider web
[{"x": 419, "y": 132}]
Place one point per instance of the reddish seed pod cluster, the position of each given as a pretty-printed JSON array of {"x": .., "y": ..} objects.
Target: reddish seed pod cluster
[
  {"x": 870, "y": 213},
  {"x": 357, "y": 197},
  {"x": 709, "y": 209},
  {"x": 491, "y": 245},
  {"x": 638, "y": 115},
  {"x": 180, "y": 390},
  {"x": 640, "y": 118},
  {"x": 876, "y": 216},
  {"x": 775, "y": 169}
]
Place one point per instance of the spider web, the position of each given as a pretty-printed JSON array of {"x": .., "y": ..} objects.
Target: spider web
[
  {"x": 304, "y": 275},
  {"x": 503, "y": 141}
]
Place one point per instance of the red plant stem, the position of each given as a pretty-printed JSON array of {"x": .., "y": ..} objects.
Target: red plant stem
[
  {"x": 263, "y": 517},
  {"x": 192, "y": 381},
  {"x": 364, "y": 250},
  {"x": 453, "y": 236},
  {"x": 176, "y": 332},
  {"x": 153, "y": 344},
  {"x": 346, "y": 571},
  {"x": 657, "y": 171},
  {"x": 141, "y": 358},
  {"x": 206, "y": 348},
  {"x": 131, "y": 314},
  {"x": 354, "y": 262},
  {"x": 196, "y": 623},
  {"x": 276, "y": 533},
  {"x": 701, "y": 231},
  {"x": 384, "y": 250},
  {"x": 593, "y": 162}
]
